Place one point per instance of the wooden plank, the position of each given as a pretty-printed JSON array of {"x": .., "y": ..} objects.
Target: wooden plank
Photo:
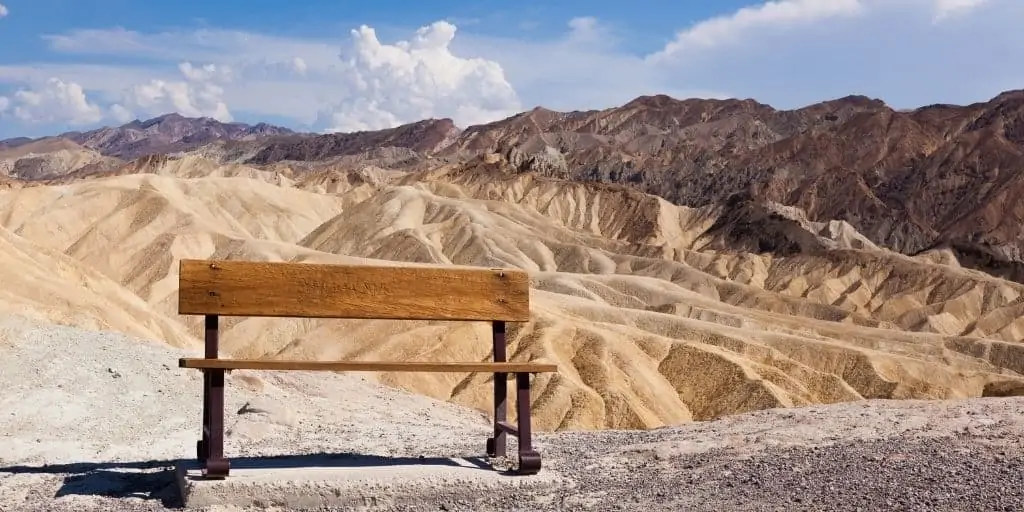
[
  {"x": 365, "y": 366},
  {"x": 251, "y": 288}
]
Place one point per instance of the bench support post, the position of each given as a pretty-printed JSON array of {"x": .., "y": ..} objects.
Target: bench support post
[
  {"x": 496, "y": 445},
  {"x": 211, "y": 448},
  {"x": 529, "y": 459}
]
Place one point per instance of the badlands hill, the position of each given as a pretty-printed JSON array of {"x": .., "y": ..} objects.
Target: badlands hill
[
  {"x": 656, "y": 313},
  {"x": 938, "y": 180},
  {"x": 51, "y": 158}
]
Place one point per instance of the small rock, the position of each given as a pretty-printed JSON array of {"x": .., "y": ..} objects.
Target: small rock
[{"x": 270, "y": 411}]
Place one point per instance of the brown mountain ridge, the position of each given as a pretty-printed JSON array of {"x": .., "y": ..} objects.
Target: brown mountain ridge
[{"x": 939, "y": 177}]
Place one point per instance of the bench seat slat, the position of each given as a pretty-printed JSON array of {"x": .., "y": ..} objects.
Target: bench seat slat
[{"x": 365, "y": 366}]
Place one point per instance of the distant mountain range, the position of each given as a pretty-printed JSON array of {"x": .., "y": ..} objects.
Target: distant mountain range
[
  {"x": 168, "y": 133},
  {"x": 938, "y": 177}
]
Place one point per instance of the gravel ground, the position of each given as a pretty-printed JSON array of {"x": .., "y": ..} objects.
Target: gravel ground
[
  {"x": 901, "y": 473},
  {"x": 73, "y": 439}
]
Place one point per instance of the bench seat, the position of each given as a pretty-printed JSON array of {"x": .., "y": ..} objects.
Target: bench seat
[
  {"x": 366, "y": 366},
  {"x": 215, "y": 288}
]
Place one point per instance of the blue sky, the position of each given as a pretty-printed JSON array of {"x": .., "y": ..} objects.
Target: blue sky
[
  {"x": 333, "y": 65},
  {"x": 20, "y": 37}
]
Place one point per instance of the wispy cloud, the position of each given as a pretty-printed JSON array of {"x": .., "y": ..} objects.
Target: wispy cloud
[
  {"x": 948, "y": 8},
  {"x": 784, "y": 14},
  {"x": 202, "y": 45}
]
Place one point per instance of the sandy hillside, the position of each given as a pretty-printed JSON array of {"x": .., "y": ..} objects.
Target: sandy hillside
[
  {"x": 50, "y": 158},
  {"x": 46, "y": 284},
  {"x": 650, "y": 321}
]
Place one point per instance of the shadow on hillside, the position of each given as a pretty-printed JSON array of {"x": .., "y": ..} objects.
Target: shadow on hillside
[{"x": 155, "y": 479}]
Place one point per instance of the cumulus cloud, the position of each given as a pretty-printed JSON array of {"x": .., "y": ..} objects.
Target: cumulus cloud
[
  {"x": 358, "y": 84},
  {"x": 120, "y": 114},
  {"x": 199, "y": 95},
  {"x": 384, "y": 85},
  {"x": 56, "y": 101},
  {"x": 3, "y": 11}
]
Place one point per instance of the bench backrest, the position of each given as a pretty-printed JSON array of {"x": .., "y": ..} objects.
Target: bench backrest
[{"x": 251, "y": 288}]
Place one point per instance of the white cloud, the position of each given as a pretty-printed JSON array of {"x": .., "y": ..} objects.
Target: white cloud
[
  {"x": 361, "y": 83},
  {"x": 199, "y": 95},
  {"x": 4, "y": 103},
  {"x": 791, "y": 53},
  {"x": 585, "y": 28},
  {"x": 56, "y": 101},
  {"x": 384, "y": 85},
  {"x": 782, "y": 14},
  {"x": 158, "y": 96},
  {"x": 246, "y": 52},
  {"x": 3, "y": 11},
  {"x": 584, "y": 68},
  {"x": 948, "y": 8},
  {"x": 121, "y": 114},
  {"x": 206, "y": 73},
  {"x": 299, "y": 65}
]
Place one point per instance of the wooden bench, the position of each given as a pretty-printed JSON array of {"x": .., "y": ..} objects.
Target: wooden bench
[{"x": 216, "y": 288}]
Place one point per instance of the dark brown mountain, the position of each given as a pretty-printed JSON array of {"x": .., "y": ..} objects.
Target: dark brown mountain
[
  {"x": 13, "y": 143},
  {"x": 938, "y": 176},
  {"x": 419, "y": 139},
  {"x": 168, "y": 133}
]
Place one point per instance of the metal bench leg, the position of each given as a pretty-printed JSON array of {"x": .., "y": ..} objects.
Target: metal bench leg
[
  {"x": 211, "y": 448},
  {"x": 496, "y": 445},
  {"x": 202, "y": 445},
  {"x": 529, "y": 459},
  {"x": 216, "y": 466}
]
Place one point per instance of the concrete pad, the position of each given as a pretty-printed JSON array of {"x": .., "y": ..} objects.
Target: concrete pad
[{"x": 362, "y": 482}]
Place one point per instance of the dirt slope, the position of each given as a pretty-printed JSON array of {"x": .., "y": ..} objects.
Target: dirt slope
[
  {"x": 52, "y": 158},
  {"x": 651, "y": 319},
  {"x": 45, "y": 284}
]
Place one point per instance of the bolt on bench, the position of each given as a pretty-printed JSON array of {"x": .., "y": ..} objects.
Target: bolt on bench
[{"x": 215, "y": 288}]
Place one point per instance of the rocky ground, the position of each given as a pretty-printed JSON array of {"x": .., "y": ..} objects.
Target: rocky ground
[{"x": 85, "y": 431}]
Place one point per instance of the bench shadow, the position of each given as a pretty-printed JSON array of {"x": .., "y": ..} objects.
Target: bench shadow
[
  {"x": 155, "y": 479},
  {"x": 352, "y": 460}
]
